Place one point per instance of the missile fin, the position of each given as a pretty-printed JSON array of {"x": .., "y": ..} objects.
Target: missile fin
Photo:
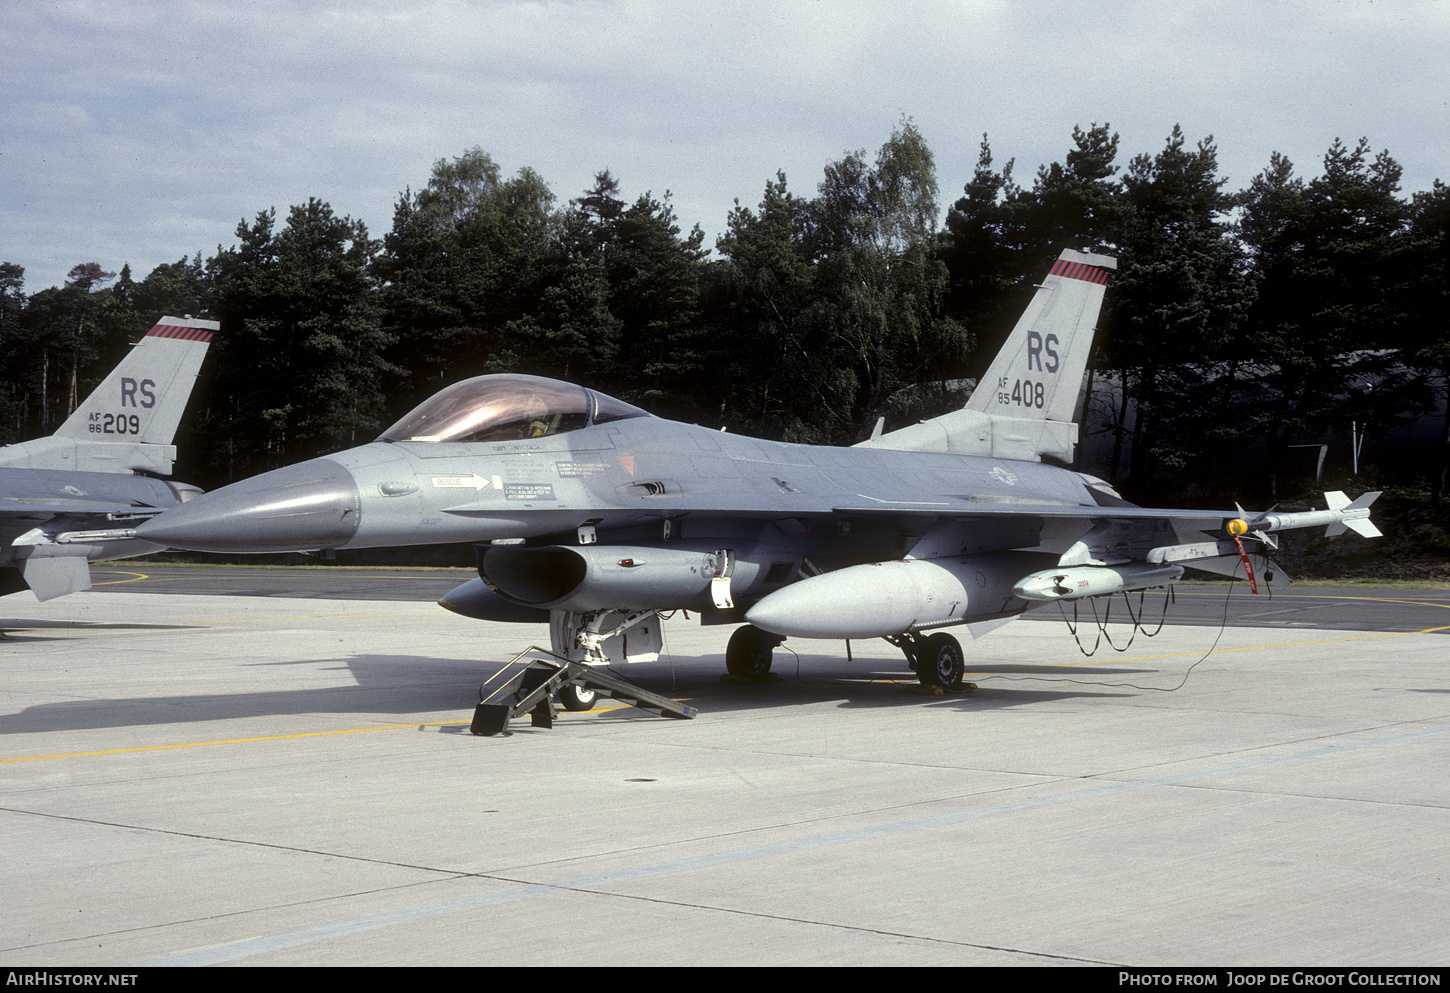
[{"x": 1364, "y": 526}]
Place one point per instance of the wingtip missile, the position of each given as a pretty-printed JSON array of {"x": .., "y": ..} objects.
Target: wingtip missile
[{"x": 1342, "y": 514}]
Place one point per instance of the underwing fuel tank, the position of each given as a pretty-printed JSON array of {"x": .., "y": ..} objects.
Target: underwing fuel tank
[
  {"x": 891, "y": 598},
  {"x": 1076, "y": 582}
]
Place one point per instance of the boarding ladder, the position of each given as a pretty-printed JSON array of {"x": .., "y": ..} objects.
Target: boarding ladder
[{"x": 532, "y": 690}]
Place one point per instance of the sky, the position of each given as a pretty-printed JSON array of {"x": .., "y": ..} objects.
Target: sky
[{"x": 143, "y": 132}]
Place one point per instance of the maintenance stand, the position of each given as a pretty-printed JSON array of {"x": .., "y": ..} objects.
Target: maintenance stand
[{"x": 533, "y": 689}]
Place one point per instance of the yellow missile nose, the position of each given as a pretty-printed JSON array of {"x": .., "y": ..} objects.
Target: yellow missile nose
[{"x": 1238, "y": 527}]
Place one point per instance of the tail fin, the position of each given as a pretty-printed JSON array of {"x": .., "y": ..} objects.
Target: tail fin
[
  {"x": 1038, "y": 373},
  {"x": 1359, "y": 524},
  {"x": 143, "y": 398},
  {"x": 1025, "y": 406},
  {"x": 127, "y": 424}
]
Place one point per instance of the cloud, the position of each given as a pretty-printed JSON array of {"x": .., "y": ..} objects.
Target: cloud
[{"x": 144, "y": 131}]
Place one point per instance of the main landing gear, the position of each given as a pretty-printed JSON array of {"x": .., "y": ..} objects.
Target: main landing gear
[
  {"x": 937, "y": 660},
  {"x": 747, "y": 655}
]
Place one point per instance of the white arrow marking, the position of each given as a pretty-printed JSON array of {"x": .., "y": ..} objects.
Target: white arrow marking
[{"x": 473, "y": 481}]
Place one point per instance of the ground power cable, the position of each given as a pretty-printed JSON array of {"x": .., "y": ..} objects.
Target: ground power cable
[{"x": 1223, "y": 626}]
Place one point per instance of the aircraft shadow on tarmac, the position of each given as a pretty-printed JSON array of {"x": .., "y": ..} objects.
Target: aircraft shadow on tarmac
[
  {"x": 864, "y": 685},
  {"x": 900, "y": 692},
  {"x": 392, "y": 686},
  {"x": 24, "y": 630},
  {"x": 408, "y": 687}
]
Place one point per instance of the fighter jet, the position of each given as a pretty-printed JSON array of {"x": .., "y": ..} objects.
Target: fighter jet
[
  {"x": 101, "y": 468},
  {"x": 595, "y": 517}
]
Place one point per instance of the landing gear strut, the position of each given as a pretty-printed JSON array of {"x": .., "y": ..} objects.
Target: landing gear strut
[
  {"x": 937, "y": 660},
  {"x": 747, "y": 655},
  {"x": 600, "y": 638}
]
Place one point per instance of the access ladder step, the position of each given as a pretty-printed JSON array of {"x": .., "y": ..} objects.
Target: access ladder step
[{"x": 534, "y": 687}]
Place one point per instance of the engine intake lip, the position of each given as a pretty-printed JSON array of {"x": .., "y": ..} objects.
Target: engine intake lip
[{"x": 532, "y": 575}]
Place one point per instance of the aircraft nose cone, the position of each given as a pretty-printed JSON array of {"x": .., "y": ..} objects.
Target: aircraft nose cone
[{"x": 311, "y": 505}]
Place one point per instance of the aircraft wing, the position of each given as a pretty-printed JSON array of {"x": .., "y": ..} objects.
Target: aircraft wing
[
  {"x": 1342, "y": 514},
  {"x": 48, "y": 492},
  {"x": 1067, "y": 533},
  {"x": 11, "y": 507},
  {"x": 1000, "y": 508}
]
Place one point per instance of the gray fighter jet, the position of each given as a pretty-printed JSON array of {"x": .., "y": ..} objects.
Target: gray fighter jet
[
  {"x": 101, "y": 468},
  {"x": 593, "y": 516}
]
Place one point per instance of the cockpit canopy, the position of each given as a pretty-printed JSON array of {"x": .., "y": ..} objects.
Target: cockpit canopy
[{"x": 507, "y": 407}]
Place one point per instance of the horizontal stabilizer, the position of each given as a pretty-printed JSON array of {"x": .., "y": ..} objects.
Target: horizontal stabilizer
[{"x": 50, "y": 577}]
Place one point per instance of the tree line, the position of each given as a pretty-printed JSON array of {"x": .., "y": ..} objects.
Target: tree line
[{"x": 1264, "y": 317}]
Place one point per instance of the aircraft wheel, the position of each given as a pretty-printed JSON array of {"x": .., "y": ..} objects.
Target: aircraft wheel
[
  {"x": 578, "y": 698},
  {"x": 748, "y": 652},
  {"x": 940, "y": 662}
]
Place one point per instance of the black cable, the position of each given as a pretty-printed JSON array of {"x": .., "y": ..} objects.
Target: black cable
[{"x": 1223, "y": 626}]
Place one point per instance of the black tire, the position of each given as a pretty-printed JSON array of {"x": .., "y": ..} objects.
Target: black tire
[
  {"x": 940, "y": 663},
  {"x": 748, "y": 653},
  {"x": 578, "y": 698}
]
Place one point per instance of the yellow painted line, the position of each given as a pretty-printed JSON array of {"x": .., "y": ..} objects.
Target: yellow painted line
[
  {"x": 270, "y": 737},
  {"x": 1249, "y": 648},
  {"x": 136, "y": 577},
  {"x": 604, "y": 710},
  {"x": 84, "y": 626},
  {"x": 139, "y": 576},
  {"x": 1217, "y": 651},
  {"x": 313, "y": 617},
  {"x": 227, "y": 741},
  {"x": 1324, "y": 596}
]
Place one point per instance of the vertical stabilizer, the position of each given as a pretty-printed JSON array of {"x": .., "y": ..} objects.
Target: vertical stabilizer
[
  {"x": 1025, "y": 406},
  {"x": 1039, "y": 371},
  {"x": 144, "y": 396},
  {"x": 128, "y": 422}
]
